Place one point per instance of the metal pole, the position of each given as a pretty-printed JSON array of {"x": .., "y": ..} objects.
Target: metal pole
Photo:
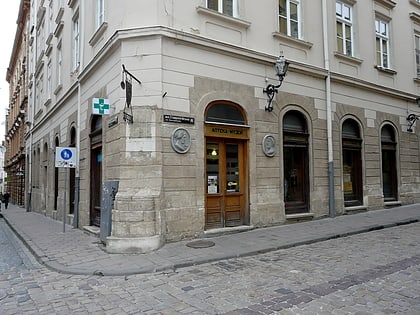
[
  {"x": 329, "y": 110},
  {"x": 64, "y": 202}
]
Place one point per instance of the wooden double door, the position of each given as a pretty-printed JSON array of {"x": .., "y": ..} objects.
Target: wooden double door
[{"x": 226, "y": 182}]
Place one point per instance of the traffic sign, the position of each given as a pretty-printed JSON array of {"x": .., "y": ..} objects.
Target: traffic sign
[{"x": 65, "y": 157}]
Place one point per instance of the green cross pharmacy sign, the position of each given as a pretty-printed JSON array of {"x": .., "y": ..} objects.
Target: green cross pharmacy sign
[{"x": 100, "y": 106}]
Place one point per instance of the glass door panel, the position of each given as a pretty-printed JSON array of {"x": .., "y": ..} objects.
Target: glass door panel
[
  {"x": 212, "y": 168},
  {"x": 232, "y": 167}
]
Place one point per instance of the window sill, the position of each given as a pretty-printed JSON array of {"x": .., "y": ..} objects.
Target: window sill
[
  {"x": 47, "y": 102},
  {"x": 58, "y": 89},
  {"x": 223, "y": 17},
  {"x": 351, "y": 59},
  {"x": 417, "y": 80},
  {"x": 60, "y": 14},
  {"x": 38, "y": 114},
  {"x": 385, "y": 70},
  {"x": 414, "y": 16},
  {"x": 293, "y": 41},
  {"x": 98, "y": 33},
  {"x": 414, "y": 2},
  {"x": 58, "y": 29},
  {"x": 48, "y": 50}
]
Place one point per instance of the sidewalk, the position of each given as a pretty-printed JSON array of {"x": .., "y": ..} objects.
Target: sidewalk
[{"x": 76, "y": 252}]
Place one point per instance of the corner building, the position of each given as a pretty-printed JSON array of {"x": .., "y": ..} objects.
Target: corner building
[{"x": 186, "y": 147}]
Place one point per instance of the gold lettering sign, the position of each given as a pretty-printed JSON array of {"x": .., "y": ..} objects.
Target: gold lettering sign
[{"x": 226, "y": 131}]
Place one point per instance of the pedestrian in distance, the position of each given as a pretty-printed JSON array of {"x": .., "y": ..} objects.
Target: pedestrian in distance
[{"x": 6, "y": 197}]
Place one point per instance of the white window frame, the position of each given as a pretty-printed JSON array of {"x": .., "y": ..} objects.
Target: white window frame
[
  {"x": 383, "y": 38},
  {"x": 344, "y": 21},
  {"x": 235, "y": 7},
  {"x": 289, "y": 20},
  {"x": 59, "y": 64},
  {"x": 100, "y": 12},
  {"x": 417, "y": 53},
  {"x": 49, "y": 79},
  {"x": 50, "y": 18},
  {"x": 75, "y": 42}
]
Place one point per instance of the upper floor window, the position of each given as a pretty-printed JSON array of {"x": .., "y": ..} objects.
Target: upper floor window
[
  {"x": 228, "y": 7},
  {"x": 343, "y": 13},
  {"x": 417, "y": 40},
  {"x": 76, "y": 43},
  {"x": 49, "y": 80},
  {"x": 382, "y": 43},
  {"x": 289, "y": 18},
  {"x": 59, "y": 64},
  {"x": 50, "y": 18},
  {"x": 100, "y": 12}
]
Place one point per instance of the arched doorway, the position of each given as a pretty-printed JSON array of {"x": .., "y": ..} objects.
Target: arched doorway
[
  {"x": 352, "y": 163},
  {"x": 57, "y": 144},
  {"x": 72, "y": 171},
  {"x": 226, "y": 165},
  {"x": 45, "y": 181},
  {"x": 389, "y": 163},
  {"x": 295, "y": 163},
  {"x": 95, "y": 170}
]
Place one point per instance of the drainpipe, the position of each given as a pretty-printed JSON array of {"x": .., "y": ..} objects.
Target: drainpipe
[
  {"x": 79, "y": 96},
  {"x": 32, "y": 114},
  {"x": 329, "y": 110}
]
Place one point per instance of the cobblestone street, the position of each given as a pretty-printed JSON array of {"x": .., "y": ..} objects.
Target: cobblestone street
[{"x": 370, "y": 273}]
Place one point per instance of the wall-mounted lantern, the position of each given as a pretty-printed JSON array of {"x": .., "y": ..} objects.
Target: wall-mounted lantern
[
  {"x": 281, "y": 66},
  {"x": 412, "y": 118}
]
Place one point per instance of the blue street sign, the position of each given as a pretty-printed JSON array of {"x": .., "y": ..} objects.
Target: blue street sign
[
  {"x": 66, "y": 154},
  {"x": 65, "y": 157}
]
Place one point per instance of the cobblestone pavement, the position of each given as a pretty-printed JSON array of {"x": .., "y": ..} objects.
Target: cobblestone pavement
[{"x": 370, "y": 273}]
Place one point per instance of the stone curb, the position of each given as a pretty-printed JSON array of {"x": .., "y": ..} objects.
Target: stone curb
[{"x": 53, "y": 265}]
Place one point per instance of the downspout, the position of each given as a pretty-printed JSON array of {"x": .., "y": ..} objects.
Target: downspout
[
  {"x": 79, "y": 96},
  {"x": 329, "y": 109}
]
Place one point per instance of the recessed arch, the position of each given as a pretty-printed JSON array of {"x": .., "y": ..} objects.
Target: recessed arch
[
  {"x": 226, "y": 165},
  {"x": 389, "y": 163},
  {"x": 351, "y": 140},
  {"x": 295, "y": 162}
]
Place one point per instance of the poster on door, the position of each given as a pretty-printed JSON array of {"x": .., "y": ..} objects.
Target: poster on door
[{"x": 212, "y": 184}]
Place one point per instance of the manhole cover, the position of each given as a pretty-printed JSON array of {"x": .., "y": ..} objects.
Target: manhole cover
[{"x": 200, "y": 244}]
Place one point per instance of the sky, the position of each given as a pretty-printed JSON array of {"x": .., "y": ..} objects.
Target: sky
[{"x": 8, "y": 17}]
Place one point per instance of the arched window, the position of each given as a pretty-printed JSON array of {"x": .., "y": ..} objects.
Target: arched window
[
  {"x": 389, "y": 163},
  {"x": 352, "y": 163},
  {"x": 225, "y": 113},
  {"x": 295, "y": 163}
]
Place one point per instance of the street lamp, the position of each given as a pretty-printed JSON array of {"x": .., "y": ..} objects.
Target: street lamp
[{"x": 281, "y": 66}]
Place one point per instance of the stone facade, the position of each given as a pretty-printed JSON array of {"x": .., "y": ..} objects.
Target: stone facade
[{"x": 187, "y": 57}]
